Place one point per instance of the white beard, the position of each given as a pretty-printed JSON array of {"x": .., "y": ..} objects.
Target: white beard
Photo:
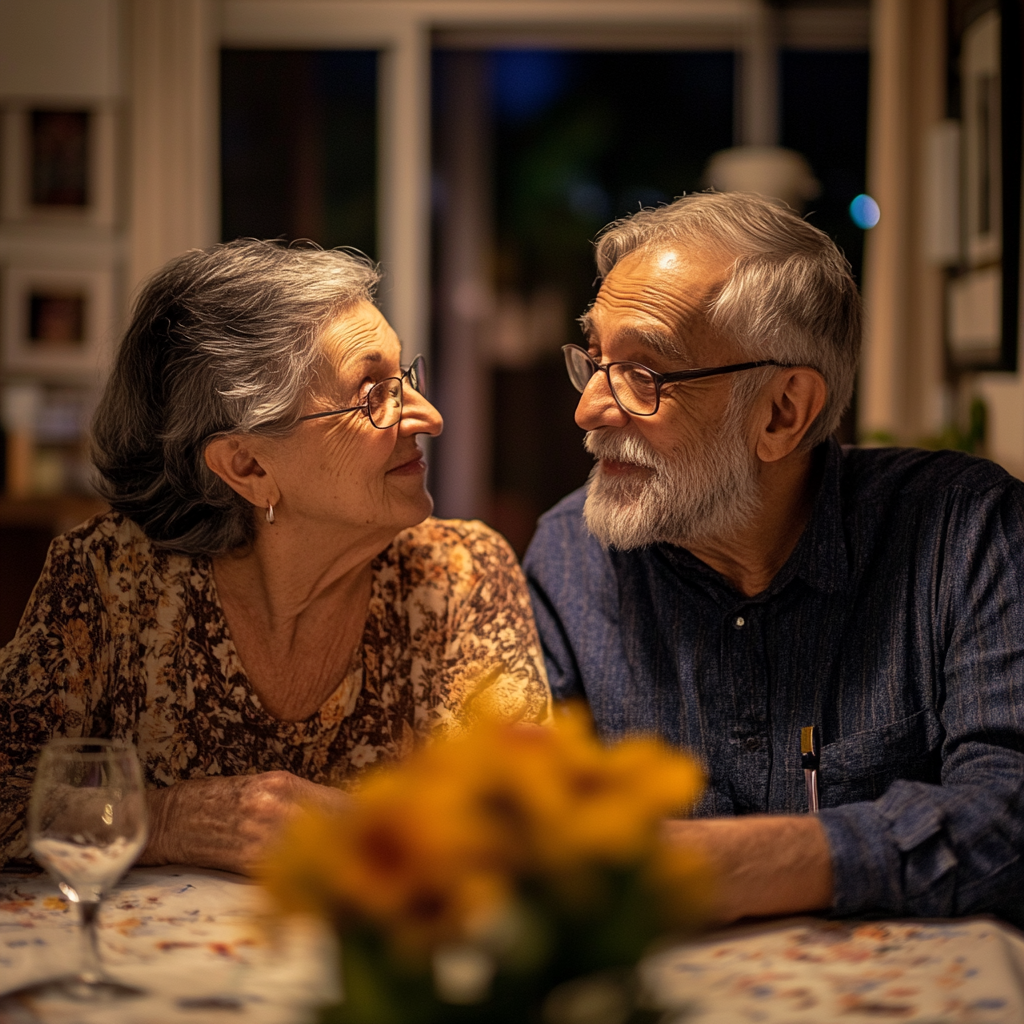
[{"x": 689, "y": 495}]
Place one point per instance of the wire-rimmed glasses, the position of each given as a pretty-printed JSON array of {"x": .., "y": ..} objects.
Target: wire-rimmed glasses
[
  {"x": 386, "y": 399},
  {"x": 637, "y": 388}
]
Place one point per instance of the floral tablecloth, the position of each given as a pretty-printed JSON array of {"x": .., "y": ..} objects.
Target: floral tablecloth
[
  {"x": 969, "y": 971},
  {"x": 195, "y": 940}
]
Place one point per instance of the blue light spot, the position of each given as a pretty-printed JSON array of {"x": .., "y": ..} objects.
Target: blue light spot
[
  {"x": 864, "y": 212},
  {"x": 527, "y": 82}
]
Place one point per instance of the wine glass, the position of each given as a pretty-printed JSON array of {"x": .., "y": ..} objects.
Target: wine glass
[{"x": 86, "y": 826}]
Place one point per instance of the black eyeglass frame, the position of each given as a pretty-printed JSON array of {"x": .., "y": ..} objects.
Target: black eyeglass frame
[
  {"x": 416, "y": 372},
  {"x": 659, "y": 379}
]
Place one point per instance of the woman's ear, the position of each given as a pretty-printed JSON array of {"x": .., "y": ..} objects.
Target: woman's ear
[
  {"x": 232, "y": 458},
  {"x": 797, "y": 397}
]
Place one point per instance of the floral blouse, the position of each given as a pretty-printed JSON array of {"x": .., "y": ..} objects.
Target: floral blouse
[{"x": 121, "y": 638}]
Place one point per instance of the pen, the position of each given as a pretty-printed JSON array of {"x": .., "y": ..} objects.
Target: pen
[{"x": 809, "y": 749}]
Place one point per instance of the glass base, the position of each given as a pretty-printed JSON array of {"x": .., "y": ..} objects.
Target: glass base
[{"x": 73, "y": 988}]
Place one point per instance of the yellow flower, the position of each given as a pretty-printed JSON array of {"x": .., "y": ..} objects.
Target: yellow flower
[
  {"x": 684, "y": 883},
  {"x": 432, "y": 850},
  {"x": 558, "y": 796},
  {"x": 402, "y": 866}
]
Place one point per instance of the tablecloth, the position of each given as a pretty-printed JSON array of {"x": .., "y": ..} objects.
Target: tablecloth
[
  {"x": 968, "y": 971},
  {"x": 198, "y": 941}
]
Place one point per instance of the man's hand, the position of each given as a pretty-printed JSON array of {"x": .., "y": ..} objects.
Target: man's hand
[
  {"x": 227, "y": 823},
  {"x": 764, "y": 865}
]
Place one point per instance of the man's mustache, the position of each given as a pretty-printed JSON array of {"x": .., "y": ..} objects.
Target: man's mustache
[{"x": 620, "y": 446}]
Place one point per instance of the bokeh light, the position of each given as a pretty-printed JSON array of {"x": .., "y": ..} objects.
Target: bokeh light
[{"x": 864, "y": 211}]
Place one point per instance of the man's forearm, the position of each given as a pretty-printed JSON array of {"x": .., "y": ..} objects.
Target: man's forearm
[{"x": 764, "y": 865}]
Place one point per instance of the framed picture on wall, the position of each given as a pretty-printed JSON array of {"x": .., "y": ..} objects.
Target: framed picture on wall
[
  {"x": 983, "y": 290},
  {"x": 59, "y": 143},
  {"x": 56, "y": 323},
  {"x": 59, "y": 163}
]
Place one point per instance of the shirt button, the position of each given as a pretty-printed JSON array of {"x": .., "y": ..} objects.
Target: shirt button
[
  {"x": 753, "y": 743},
  {"x": 739, "y": 622}
]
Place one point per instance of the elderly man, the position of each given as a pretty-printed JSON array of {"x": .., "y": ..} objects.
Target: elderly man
[{"x": 730, "y": 575}]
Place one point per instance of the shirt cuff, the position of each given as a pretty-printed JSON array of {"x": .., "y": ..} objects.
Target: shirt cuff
[{"x": 866, "y": 866}]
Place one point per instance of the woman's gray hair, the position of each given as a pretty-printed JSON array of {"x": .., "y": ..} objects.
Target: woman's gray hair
[
  {"x": 222, "y": 340},
  {"x": 789, "y": 296}
]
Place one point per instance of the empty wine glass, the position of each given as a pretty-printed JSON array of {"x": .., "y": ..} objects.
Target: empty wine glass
[{"x": 86, "y": 825}]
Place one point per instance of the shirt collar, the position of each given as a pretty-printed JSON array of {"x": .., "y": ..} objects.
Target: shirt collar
[{"x": 820, "y": 557}]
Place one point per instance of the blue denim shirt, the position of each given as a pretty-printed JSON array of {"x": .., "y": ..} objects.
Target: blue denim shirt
[{"x": 896, "y": 626}]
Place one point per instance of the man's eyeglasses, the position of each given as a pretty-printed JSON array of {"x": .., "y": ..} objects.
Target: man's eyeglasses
[
  {"x": 386, "y": 399},
  {"x": 637, "y": 388}
]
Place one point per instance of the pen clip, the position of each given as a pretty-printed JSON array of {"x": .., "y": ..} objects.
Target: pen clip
[
  {"x": 809, "y": 758},
  {"x": 810, "y": 748}
]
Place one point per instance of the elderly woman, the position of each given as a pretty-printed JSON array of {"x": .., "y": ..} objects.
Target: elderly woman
[{"x": 267, "y": 610}]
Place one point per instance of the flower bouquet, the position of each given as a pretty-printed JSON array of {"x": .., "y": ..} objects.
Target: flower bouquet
[{"x": 507, "y": 874}]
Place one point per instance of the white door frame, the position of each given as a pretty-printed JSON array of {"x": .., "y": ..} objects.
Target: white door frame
[{"x": 404, "y": 31}]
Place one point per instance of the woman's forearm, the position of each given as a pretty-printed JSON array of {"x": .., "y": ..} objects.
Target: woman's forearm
[{"x": 226, "y": 823}]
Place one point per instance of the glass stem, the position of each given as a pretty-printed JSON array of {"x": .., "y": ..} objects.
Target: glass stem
[{"x": 91, "y": 969}]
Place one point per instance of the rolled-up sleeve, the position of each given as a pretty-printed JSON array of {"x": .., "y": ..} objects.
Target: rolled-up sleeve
[{"x": 956, "y": 847}]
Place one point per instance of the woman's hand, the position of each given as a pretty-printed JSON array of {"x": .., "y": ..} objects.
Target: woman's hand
[{"x": 227, "y": 823}]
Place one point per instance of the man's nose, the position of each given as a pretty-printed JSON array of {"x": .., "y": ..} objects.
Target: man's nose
[{"x": 597, "y": 406}]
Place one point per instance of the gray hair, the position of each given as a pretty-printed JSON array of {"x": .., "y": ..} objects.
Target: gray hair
[
  {"x": 222, "y": 340},
  {"x": 789, "y": 296}
]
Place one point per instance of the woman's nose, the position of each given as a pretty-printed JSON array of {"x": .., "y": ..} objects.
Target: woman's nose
[
  {"x": 597, "y": 406},
  {"x": 418, "y": 415}
]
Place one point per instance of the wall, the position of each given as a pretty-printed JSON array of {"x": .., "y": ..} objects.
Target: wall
[{"x": 904, "y": 390}]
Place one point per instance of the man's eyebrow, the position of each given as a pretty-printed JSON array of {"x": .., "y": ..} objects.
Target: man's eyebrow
[{"x": 660, "y": 342}]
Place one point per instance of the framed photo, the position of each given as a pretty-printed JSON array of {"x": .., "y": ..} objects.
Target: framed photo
[
  {"x": 59, "y": 144},
  {"x": 59, "y": 163},
  {"x": 57, "y": 323},
  {"x": 983, "y": 289}
]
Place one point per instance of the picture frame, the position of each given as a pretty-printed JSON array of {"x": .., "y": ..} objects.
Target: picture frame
[
  {"x": 59, "y": 163},
  {"x": 982, "y": 288},
  {"x": 56, "y": 323}
]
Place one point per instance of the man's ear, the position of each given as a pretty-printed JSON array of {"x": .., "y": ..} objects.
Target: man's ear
[
  {"x": 234, "y": 461},
  {"x": 794, "y": 400}
]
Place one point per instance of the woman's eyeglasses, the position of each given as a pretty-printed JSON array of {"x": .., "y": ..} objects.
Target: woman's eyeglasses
[
  {"x": 637, "y": 388},
  {"x": 385, "y": 400}
]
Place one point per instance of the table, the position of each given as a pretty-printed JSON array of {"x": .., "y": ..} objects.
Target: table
[
  {"x": 967, "y": 971},
  {"x": 194, "y": 938},
  {"x": 198, "y": 941}
]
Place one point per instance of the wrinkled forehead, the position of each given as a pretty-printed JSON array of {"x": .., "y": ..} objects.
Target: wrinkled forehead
[
  {"x": 659, "y": 297},
  {"x": 357, "y": 336}
]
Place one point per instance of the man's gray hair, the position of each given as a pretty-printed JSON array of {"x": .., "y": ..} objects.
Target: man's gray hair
[
  {"x": 224, "y": 340},
  {"x": 789, "y": 296}
]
